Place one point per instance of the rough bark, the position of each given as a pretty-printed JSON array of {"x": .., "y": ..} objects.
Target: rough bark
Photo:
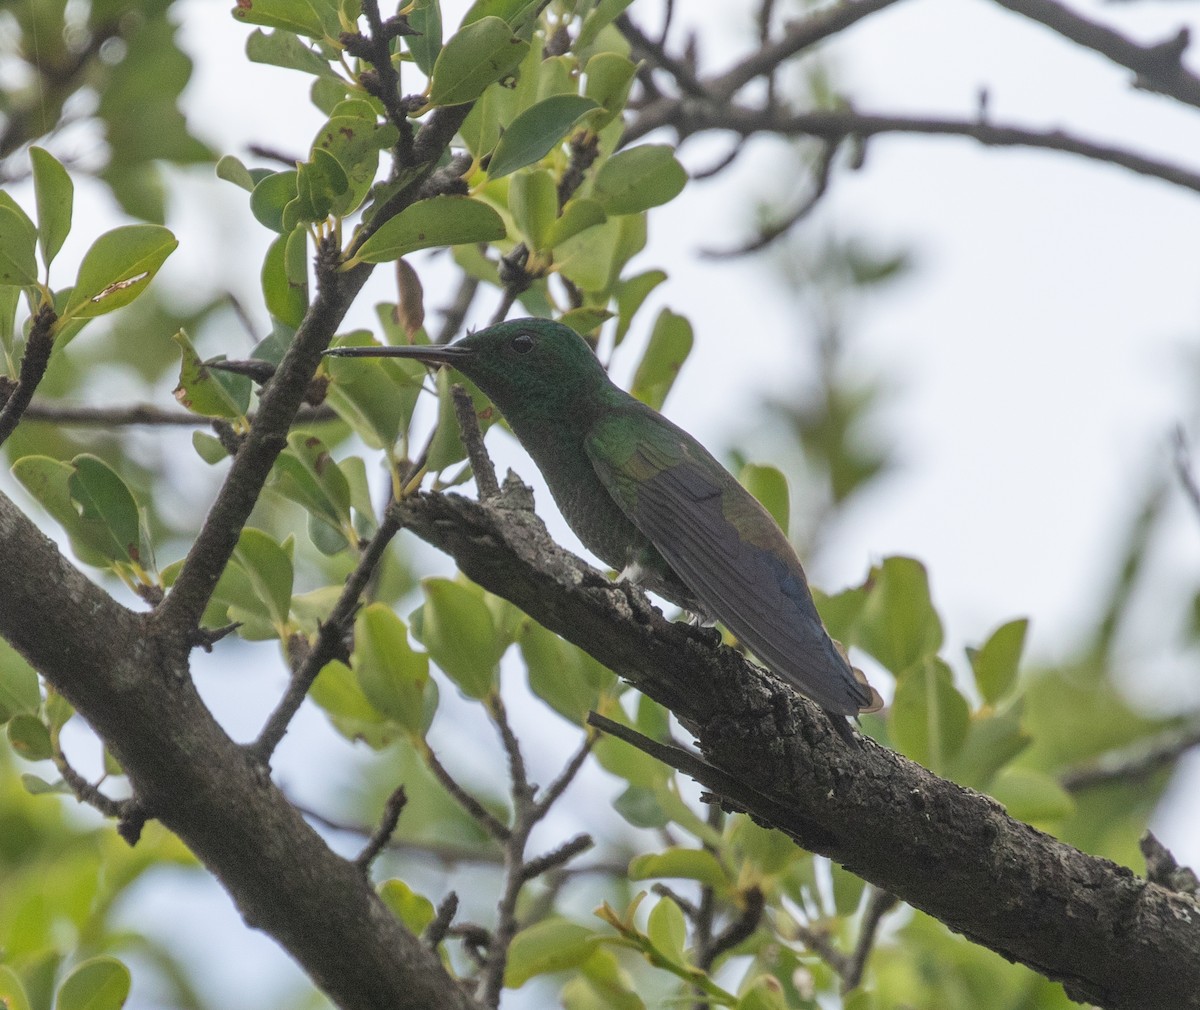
[{"x": 1110, "y": 937}]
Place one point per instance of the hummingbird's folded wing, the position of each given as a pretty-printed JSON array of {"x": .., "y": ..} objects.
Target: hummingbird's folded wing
[{"x": 727, "y": 550}]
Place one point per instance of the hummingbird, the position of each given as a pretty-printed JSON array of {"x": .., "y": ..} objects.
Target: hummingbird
[{"x": 651, "y": 502}]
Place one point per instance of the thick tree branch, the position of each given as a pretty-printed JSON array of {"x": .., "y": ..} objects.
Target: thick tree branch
[
  {"x": 132, "y": 687},
  {"x": 1083, "y": 921}
]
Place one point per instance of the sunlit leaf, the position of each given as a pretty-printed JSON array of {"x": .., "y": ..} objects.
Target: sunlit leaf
[
  {"x": 55, "y": 195},
  {"x": 473, "y": 58},
  {"x": 117, "y": 268},
  {"x": 438, "y": 221}
]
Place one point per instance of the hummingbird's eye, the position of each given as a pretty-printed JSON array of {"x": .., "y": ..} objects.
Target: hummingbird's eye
[{"x": 522, "y": 343}]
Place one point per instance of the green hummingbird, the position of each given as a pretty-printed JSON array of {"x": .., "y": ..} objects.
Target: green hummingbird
[{"x": 650, "y": 501}]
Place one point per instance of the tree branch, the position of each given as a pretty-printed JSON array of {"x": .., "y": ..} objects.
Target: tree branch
[
  {"x": 133, "y": 688},
  {"x": 834, "y": 126},
  {"x": 1083, "y": 921},
  {"x": 1159, "y": 67},
  {"x": 33, "y": 367}
]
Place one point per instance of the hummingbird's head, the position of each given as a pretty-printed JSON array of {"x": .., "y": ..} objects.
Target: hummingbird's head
[{"x": 520, "y": 364}]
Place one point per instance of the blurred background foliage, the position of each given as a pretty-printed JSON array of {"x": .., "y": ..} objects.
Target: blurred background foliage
[{"x": 98, "y": 85}]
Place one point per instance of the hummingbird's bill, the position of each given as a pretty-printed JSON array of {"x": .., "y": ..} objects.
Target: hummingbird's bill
[{"x": 431, "y": 354}]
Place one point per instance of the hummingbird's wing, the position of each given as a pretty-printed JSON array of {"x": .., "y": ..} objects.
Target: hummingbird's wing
[{"x": 726, "y": 549}]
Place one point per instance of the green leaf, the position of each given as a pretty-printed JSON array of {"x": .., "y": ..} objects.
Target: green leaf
[
  {"x": 292, "y": 15},
  {"x": 457, "y": 629},
  {"x": 268, "y": 565},
  {"x": 898, "y": 624},
  {"x": 414, "y": 910},
  {"x": 764, "y": 993},
  {"x": 667, "y": 930},
  {"x": 30, "y": 738},
  {"x": 602, "y": 15},
  {"x": 515, "y": 12},
  {"x": 928, "y": 717},
  {"x": 18, "y": 260},
  {"x": 355, "y": 143},
  {"x": 19, "y": 691},
  {"x": 426, "y": 18},
  {"x": 577, "y": 216},
  {"x": 769, "y": 485},
  {"x": 117, "y": 268},
  {"x": 438, "y": 221},
  {"x": 55, "y": 194},
  {"x": 670, "y": 344},
  {"x": 337, "y": 691},
  {"x": 532, "y": 135},
  {"x": 609, "y": 77},
  {"x": 995, "y": 662},
  {"x": 688, "y": 864},
  {"x": 631, "y": 294},
  {"x": 271, "y": 197},
  {"x": 639, "y": 178},
  {"x": 207, "y": 391},
  {"x": 232, "y": 169},
  {"x": 554, "y": 944},
  {"x": 105, "y": 500},
  {"x": 564, "y": 676},
  {"x": 585, "y": 320},
  {"x": 993, "y": 740},
  {"x": 285, "y": 278},
  {"x": 321, "y": 185},
  {"x": 393, "y": 676},
  {"x": 284, "y": 49},
  {"x": 533, "y": 201},
  {"x": 1032, "y": 796},
  {"x": 473, "y": 58},
  {"x": 99, "y": 984},
  {"x": 35, "y": 785}
]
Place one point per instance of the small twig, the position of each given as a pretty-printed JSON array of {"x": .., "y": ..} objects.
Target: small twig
[
  {"x": 556, "y": 788},
  {"x": 454, "y": 313},
  {"x": 33, "y": 367},
  {"x": 741, "y": 928},
  {"x": 719, "y": 166},
  {"x": 446, "y": 853},
  {"x": 821, "y": 174},
  {"x": 878, "y": 905},
  {"x": 481, "y": 463},
  {"x": 85, "y": 791},
  {"x": 328, "y": 643},
  {"x": 556, "y": 857},
  {"x": 436, "y": 931},
  {"x": 273, "y": 154},
  {"x": 475, "y": 940},
  {"x": 143, "y": 414},
  {"x": 375, "y": 48},
  {"x": 488, "y": 821},
  {"x": 820, "y": 944},
  {"x": 1183, "y": 467},
  {"x": 646, "y": 48},
  {"x": 384, "y": 831},
  {"x": 688, "y": 908},
  {"x": 585, "y": 148},
  {"x": 1132, "y": 763},
  {"x": 522, "y": 789}
]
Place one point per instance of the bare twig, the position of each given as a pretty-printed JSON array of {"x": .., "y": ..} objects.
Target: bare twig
[
  {"x": 556, "y": 788},
  {"x": 556, "y": 857},
  {"x": 384, "y": 830},
  {"x": 1183, "y": 467},
  {"x": 878, "y": 905},
  {"x": 454, "y": 314},
  {"x": 771, "y": 232},
  {"x": 481, "y": 463},
  {"x": 653, "y": 52},
  {"x": 840, "y": 124},
  {"x": 1159, "y": 67},
  {"x": 487, "y": 820},
  {"x": 1132, "y": 763},
  {"x": 447, "y": 853},
  {"x": 86, "y": 792},
  {"x": 436, "y": 931},
  {"x": 142, "y": 414},
  {"x": 329, "y": 640},
  {"x": 33, "y": 367}
]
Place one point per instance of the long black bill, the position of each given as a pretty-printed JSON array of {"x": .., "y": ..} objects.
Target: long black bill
[{"x": 428, "y": 353}]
